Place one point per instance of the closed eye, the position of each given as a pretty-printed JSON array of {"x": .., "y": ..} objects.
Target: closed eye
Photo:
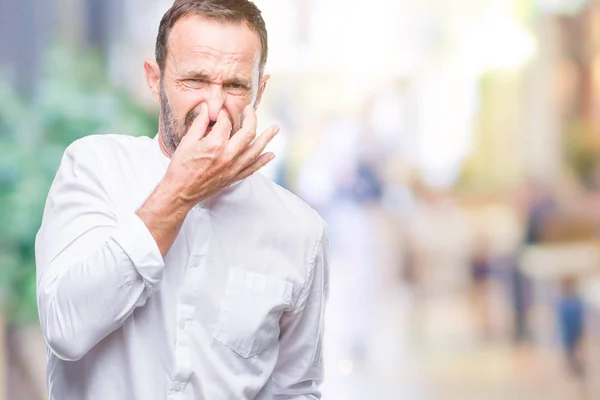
[{"x": 236, "y": 86}]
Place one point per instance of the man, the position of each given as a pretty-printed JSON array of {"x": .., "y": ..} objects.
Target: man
[{"x": 166, "y": 268}]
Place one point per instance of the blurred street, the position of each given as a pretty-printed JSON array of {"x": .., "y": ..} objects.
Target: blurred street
[{"x": 453, "y": 147}]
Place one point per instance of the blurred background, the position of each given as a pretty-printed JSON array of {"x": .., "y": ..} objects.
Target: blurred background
[{"x": 453, "y": 146}]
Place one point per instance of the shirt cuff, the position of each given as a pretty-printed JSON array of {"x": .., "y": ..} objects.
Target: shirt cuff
[{"x": 138, "y": 243}]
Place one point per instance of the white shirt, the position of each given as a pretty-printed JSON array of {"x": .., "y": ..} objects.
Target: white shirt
[{"x": 234, "y": 311}]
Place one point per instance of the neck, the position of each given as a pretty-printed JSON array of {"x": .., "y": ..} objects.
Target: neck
[{"x": 162, "y": 145}]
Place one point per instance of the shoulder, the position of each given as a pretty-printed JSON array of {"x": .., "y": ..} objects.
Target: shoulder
[
  {"x": 107, "y": 144},
  {"x": 101, "y": 154}
]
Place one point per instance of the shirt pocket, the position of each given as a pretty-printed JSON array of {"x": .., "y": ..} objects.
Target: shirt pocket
[{"x": 248, "y": 322}]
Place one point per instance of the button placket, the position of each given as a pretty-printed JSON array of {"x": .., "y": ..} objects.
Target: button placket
[{"x": 186, "y": 306}]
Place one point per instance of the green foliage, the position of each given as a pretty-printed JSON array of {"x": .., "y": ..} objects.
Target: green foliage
[{"x": 73, "y": 99}]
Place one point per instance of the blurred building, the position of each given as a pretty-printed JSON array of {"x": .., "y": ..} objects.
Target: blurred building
[{"x": 33, "y": 26}]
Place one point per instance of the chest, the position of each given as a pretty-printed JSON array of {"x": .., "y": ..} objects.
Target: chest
[{"x": 232, "y": 278}]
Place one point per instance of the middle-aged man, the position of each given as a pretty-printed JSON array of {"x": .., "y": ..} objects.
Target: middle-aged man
[{"x": 168, "y": 269}]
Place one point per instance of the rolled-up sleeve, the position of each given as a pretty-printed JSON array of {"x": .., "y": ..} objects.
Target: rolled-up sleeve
[
  {"x": 93, "y": 269},
  {"x": 299, "y": 369}
]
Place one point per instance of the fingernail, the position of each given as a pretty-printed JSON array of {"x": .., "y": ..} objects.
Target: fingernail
[
  {"x": 276, "y": 130},
  {"x": 204, "y": 108}
]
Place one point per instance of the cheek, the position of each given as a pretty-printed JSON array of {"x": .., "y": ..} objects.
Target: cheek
[
  {"x": 235, "y": 107},
  {"x": 183, "y": 102}
]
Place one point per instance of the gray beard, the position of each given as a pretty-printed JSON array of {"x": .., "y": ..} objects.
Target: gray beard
[{"x": 168, "y": 128}]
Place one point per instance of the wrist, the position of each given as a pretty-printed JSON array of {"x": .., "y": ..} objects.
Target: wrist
[
  {"x": 173, "y": 194},
  {"x": 166, "y": 202}
]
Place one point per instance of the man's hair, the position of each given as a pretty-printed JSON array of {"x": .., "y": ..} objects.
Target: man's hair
[{"x": 224, "y": 11}]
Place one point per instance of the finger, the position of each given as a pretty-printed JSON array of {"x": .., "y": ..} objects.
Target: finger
[
  {"x": 249, "y": 119},
  {"x": 199, "y": 125},
  {"x": 222, "y": 128},
  {"x": 253, "y": 152},
  {"x": 263, "y": 160},
  {"x": 247, "y": 133},
  {"x": 241, "y": 140}
]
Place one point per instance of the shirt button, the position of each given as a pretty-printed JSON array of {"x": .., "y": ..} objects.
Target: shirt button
[
  {"x": 182, "y": 323},
  {"x": 195, "y": 262}
]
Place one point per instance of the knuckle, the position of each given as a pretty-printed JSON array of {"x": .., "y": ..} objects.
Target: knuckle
[
  {"x": 264, "y": 141},
  {"x": 247, "y": 138},
  {"x": 222, "y": 162},
  {"x": 206, "y": 155},
  {"x": 211, "y": 147},
  {"x": 212, "y": 158},
  {"x": 227, "y": 158},
  {"x": 229, "y": 176},
  {"x": 214, "y": 147}
]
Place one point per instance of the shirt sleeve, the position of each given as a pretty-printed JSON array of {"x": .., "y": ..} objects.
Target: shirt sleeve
[
  {"x": 93, "y": 269},
  {"x": 299, "y": 369}
]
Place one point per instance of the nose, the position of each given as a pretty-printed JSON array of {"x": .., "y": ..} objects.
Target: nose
[{"x": 215, "y": 99}]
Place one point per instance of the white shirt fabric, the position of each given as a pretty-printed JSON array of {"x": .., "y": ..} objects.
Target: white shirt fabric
[{"x": 234, "y": 311}]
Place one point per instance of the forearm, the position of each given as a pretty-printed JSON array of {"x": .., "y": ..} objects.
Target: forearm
[{"x": 83, "y": 299}]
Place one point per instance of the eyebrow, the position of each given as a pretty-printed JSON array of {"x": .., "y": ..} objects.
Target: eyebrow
[
  {"x": 195, "y": 75},
  {"x": 203, "y": 76}
]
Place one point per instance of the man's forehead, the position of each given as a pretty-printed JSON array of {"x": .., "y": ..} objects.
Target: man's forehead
[{"x": 194, "y": 37}]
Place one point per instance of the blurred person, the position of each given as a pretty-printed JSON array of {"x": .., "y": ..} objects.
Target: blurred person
[
  {"x": 166, "y": 268},
  {"x": 570, "y": 310},
  {"x": 341, "y": 180},
  {"x": 356, "y": 237},
  {"x": 481, "y": 265},
  {"x": 538, "y": 205}
]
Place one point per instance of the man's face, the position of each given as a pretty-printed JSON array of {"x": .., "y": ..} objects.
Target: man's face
[{"x": 207, "y": 62}]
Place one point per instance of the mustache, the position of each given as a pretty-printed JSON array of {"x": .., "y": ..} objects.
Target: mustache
[{"x": 189, "y": 119}]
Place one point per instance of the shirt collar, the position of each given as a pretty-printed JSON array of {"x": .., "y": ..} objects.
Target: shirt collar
[{"x": 162, "y": 156}]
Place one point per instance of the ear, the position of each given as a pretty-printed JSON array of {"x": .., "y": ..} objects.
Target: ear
[
  {"x": 153, "y": 77},
  {"x": 261, "y": 89}
]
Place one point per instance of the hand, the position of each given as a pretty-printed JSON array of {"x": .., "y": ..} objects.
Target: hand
[{"x": 203, "y": 165}]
